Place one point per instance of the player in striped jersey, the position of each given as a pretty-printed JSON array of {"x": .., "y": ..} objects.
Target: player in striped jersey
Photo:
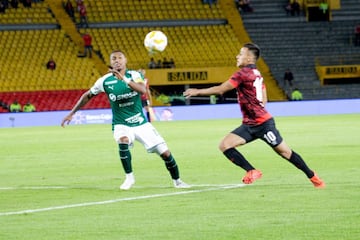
[{"x": 257, "y": 121}]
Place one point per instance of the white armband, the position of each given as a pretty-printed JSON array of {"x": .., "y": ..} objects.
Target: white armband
[{"x": 127, "y": 80}]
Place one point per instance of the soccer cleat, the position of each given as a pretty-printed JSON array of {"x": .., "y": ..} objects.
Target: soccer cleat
[
  {"x": 178, "y": 183},
  {"x": 251, "y": 176},
  {"x": 129, "y": 181},
  {"x": 318, "y": 183}
]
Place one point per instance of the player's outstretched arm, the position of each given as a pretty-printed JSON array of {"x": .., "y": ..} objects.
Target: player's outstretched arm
[
  {"x": 216, "y": 90},
  {"x": 83, "y": 100}
]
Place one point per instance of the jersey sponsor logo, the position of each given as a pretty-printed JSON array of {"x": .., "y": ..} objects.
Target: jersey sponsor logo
[
  {"x": 114, "y": 98},
  {"x": 135, "y": 119},
  {"x": 126, "y": 104}
]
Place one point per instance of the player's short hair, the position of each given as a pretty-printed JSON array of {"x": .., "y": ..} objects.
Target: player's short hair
[
  {"x": 255, "y": 49},
  {"x": 117, "y": 51}
]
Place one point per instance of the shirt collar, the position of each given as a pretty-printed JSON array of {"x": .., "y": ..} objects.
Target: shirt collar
[{"x": 251, "y": 66}]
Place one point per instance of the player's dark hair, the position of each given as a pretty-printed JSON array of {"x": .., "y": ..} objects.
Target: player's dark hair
[
  {"x": 117, "y": 51},
  {"x": 255, "y": 49}
]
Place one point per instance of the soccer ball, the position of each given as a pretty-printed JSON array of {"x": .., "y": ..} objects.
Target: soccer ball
[{"x": 155, "y": 41}]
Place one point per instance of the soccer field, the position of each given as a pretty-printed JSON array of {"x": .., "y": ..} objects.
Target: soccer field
[{"x": 61, "y": 183}]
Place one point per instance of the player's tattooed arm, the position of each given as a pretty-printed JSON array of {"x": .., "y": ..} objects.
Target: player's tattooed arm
[{"x": 83, "y": 100}]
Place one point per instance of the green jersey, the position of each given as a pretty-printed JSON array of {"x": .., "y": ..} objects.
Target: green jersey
[{"x": 125, "y": 102}]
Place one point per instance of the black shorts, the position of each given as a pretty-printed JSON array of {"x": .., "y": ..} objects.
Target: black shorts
[
  {"x": 266, "y": 131},
  {"x": 145, "y": 102}
]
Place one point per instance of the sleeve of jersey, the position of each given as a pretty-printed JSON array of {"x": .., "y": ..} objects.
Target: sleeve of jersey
[
  {"x": 98, "y": 86},
  {"x": 137, "y": 77},
  {"x": 234, "y": 79}
]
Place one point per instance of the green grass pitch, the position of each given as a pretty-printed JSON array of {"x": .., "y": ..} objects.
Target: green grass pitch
[{"x": 63, "y": 184}]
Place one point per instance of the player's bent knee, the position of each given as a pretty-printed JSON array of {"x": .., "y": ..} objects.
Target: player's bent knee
[
  {"x": 123, "y": 140},
  {"x": 161, "y": 149},
  {"x": 223, "y": 146}
]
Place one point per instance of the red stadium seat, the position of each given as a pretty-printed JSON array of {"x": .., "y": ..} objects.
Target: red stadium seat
[{"x": 53, "y": 100}]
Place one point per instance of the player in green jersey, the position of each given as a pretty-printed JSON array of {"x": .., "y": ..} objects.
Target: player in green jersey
[{"x": 124, "y": 88}]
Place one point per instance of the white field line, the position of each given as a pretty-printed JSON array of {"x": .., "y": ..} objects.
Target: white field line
[
  {"x": 86, "y": 204},
  {"x": 81, "y": 187},
  {"x": 33, "y": 188}
]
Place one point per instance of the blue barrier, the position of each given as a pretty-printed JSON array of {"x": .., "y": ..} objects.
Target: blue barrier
[{"x": 173, "y": 113}]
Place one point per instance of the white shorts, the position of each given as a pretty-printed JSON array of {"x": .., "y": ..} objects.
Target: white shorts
[{"x": 146, "y": 134}]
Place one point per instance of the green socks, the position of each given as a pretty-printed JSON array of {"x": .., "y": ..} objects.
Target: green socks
[
  {"x": 171, "y": 166},
  {"x": 125, "y": 157}
]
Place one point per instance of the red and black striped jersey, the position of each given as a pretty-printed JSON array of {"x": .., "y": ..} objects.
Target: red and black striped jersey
[{"x": 249, "y": 85}]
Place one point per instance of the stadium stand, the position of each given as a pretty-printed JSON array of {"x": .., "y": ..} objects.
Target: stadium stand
[
  {"x": 33, "y": 43},
  {"x": 204, "y": 47},
  {"x": 199, "y": 36},
  {"x": 292, "y": 42},
  {"x": 108, "y": 11},
  {"x": 52, "y": 100},
  {"x": 38, "y": 13},
  {"x": 26, "y": 53}
]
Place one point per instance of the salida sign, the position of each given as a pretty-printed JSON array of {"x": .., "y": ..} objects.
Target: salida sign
[
  {"x": 187, "y": 76},
  {"x": 342, "y": 70}
]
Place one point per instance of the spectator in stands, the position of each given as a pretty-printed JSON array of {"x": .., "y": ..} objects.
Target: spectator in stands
[
  {"x": 5, "y": 3},
  {"x": 15, "y": 106},
  {"x": 4, "y": 105},
  {"x": 70, "y": 9},
  {"x": 357, "y": 35},
  {"x": 79, "y": 3},
  {"x": 245, "y": 6},
  {"x": 159, "y": 64},
  {"x": 237, "y": 4},
  {"x": 324, "y": 6},
  {"x": 152, "y": 63},
  {"x": 26, "y": 3},
  {"x": 87, "y": 44},
  {"x": 210, "y": 2},
  {"x": 14, "y": 3},
  {"x": 2, "y": 7},
  {"x": 288, "y": 78},
  {"x": 51, "y": 65},
  {"x": 287, "y": 8},
  {"x": 295, "y": 8},
  {"x": 171, "y": 63},
  {"x": 29, "y": 107},
  {"x": 165, "y": 63},
  {"x": 213, "y": 99},
  {"x": 83, "y": 15},
  {"x": 296, "y": 95}
]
